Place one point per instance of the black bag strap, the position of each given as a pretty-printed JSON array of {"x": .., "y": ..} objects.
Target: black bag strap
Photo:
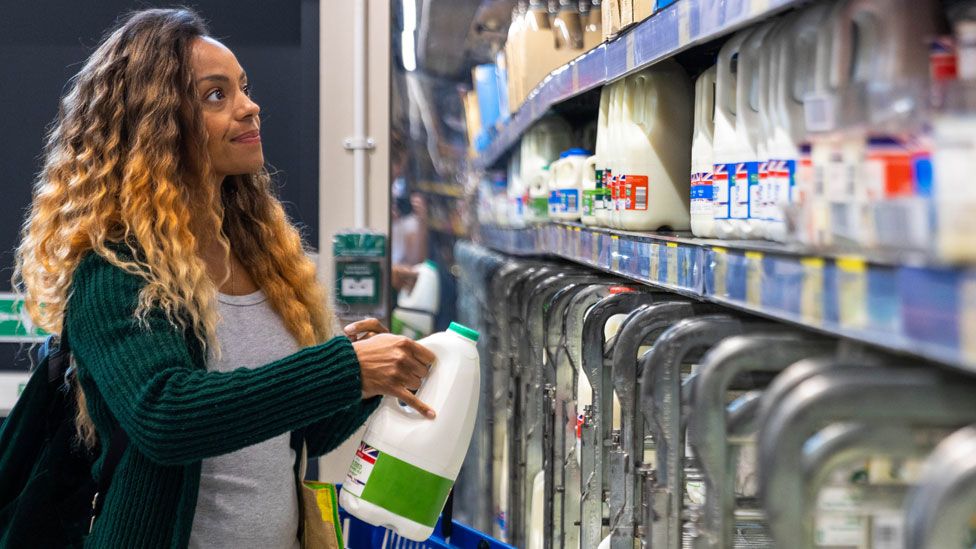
[{"x": 59, "y": 367}]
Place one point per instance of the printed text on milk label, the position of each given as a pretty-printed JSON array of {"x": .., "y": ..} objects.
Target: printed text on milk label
[
  {"x": 361, "y": 469},
  {"x": 745, "y": 183},
  {"x": 720, "y": 191},
  {"x": 701, "y": 193}
]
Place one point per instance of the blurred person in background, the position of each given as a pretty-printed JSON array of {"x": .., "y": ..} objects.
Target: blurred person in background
[{"x": 408, "y": 226}]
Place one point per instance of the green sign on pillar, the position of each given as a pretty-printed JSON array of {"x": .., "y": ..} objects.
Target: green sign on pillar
[
  {"x": 361, "y": 274},
  {"x": 15, "y": 323}
]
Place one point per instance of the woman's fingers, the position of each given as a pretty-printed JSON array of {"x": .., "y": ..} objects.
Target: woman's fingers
[
  {"x": 422, "y": 353},
  {"x": 415, "y": 403},
  {"x": 364, "y": 329}
]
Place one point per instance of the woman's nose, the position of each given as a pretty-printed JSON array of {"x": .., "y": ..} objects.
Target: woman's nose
[{"x": 249, "y": 107}]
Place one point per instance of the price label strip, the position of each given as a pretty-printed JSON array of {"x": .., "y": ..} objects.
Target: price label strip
[
  {"x": 811, "y": 293},
  {"x": 672, "y": 275},
  {"x": 852, "y": 289},
  {"x": 754, "y": 278},
  {"x": 720, "y": 270}
]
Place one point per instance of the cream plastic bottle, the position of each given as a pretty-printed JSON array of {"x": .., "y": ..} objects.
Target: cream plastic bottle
[
  {"x": 590, "y": 188},
  {"x": 768, "y": 169},
  {"x": 655, "y": 139},
  {"x": 406, "y": 464},
  {"x": 746, "y": 209},
  {"x": 540, "y": 146},
  {"x": 702, "y": 162},
  {"x": 613, "y": 152},
  {"x": 565, "y": 194},
  {"x": 538, "y": 209},
  {"x": 727, "y": 148}
]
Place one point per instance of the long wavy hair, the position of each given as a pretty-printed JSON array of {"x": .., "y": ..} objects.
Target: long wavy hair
[{"x": 126, "y": 163}]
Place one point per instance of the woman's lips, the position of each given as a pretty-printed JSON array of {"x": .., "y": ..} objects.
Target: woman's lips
[{"x": 248, "y": 138}]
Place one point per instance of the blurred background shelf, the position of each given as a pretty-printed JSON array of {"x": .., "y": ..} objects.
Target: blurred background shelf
[
  {"x": 927, "y": 310},
  {"x": 672, "y": 30}
]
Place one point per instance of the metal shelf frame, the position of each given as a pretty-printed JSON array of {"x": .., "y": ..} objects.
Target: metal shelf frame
[
  {"x": 676, "y": 28},
  {"x": 920, "y": 309}
]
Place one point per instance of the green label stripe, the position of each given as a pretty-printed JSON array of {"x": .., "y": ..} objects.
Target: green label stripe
[{"x": 406, "y": 490}]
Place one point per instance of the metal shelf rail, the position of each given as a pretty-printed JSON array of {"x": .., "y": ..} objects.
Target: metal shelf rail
[
  {"x": 912, "y": 307},
  {"x": 676, "y": 28}
]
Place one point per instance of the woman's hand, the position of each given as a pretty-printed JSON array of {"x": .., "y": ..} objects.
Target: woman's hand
[
  {"x": 364, "y": 329},
  {"x": 394, "y": 365}
]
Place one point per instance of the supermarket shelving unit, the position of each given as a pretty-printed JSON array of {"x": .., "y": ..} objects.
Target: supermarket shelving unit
[
  {"x": 903, "y": 302},
  {"x": 674, "y": 29}
]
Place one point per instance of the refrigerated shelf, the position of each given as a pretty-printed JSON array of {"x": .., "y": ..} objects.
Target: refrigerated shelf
[
  {"x": 674, "y": 29},
  {"x": 900, "y": 303}
]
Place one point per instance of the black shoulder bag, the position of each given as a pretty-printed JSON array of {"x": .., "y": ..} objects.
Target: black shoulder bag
[{"x": 48, "y": 497}]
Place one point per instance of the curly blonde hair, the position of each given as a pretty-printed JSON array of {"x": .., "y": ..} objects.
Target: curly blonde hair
[{"x": 126, "y": 162}]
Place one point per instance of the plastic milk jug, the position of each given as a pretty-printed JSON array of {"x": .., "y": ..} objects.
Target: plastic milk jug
[
  {"x": 654, "y": 140},
  {"x": 594, "y": 206},
  {"x": 590, "y": 188},
  {"x": 565, "y": 194},
  {"x": 727, "y": 149},
  {"x": 406, "y": 464},
  {"x": 517, "y": 191},
  {"x": 613, "y": 153},
  {"x": 416, "y": 308},
  {"x": 745, "y": 205},
  {"x": 702, "y": 163},
  {"x": 767, "y": 121},
  {"x": 792, "y": 79},
  {"x": 538, "y": 210}
]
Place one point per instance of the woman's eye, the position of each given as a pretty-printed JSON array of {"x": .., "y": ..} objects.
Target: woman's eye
[
  {"x": 215, "y": 95},
  {"x": 246, "y": 89}
]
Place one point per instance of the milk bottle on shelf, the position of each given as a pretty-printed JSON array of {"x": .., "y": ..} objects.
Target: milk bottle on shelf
[
  {"x": 610, "y": 175},
  {"x": 517, "y": 190},
  {"x": 702, "y": 163},
  {"x": 767, "y": 120},
  {"x": 567, "y": 184},
  {"x": 746, "y": 211},
  {"x": 538, "y": 210},
  {"x": 655, "y": 139},
  {"x": 793, "y": 67},
  {"x": 728, "y": 148},
  {"x": 406, "y": 464},
  {"x": 595, "y": 199},
  {"x": 590, "y": 187}
]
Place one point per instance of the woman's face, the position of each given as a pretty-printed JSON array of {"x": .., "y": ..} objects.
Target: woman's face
[{"x": 229, "y": 114}]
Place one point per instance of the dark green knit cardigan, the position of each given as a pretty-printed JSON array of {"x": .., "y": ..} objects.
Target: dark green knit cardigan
[{"x": 154, "y": 383}]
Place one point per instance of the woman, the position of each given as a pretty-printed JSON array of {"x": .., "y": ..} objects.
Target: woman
[{"x": 194, "y": 315}]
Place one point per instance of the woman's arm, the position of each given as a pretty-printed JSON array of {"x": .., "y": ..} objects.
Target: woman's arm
[
  {"x": 326, "y": 435},
  {"x": 176, "y": 413}
]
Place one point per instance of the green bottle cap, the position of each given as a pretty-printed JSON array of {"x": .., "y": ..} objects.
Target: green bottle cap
[
  {"x": 464, "y": 331},
  {"x": 430, "y": 263}
]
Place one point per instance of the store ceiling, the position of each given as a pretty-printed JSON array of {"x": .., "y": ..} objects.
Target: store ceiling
[{"x": 454, "y": 35}]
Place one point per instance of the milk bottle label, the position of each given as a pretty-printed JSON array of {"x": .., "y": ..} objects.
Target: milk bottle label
[
  {"x": 397, "y": 486},
  {"x": 745, "y": 184},
  {"x": 632, "y": 193},
  {"x": 564, "y": 201},
  {"x": 759, "y": 201},
  {"x": 720, "y": 191},
  {"x": 701, "y": 193},
  {"x": 781, "y": 188}
]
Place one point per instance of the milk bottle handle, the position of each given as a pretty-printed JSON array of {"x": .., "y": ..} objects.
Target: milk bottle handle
[
  {"x": 843, "y": 65},
  {"x": 640, "y": 87},
  {"x": 725, "y": 90},
  {"x": 748, "y": 77},
  {"x": 801, "y": 36},
  {"x": 426, "y": 392},
  {"x": 706, "y": 108},
  {"x": 589, "y": 171}
]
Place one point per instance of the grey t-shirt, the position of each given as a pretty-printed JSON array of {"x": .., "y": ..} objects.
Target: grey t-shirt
[{"x": 248, "y": 498}]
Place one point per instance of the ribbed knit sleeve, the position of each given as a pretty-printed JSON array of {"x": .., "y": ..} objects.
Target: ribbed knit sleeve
[
  {"x": 176, "y": 412},
  {"x": 324, "y": 436}
]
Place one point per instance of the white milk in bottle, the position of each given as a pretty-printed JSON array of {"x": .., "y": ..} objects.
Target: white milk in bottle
[
  {"x": 591, "y": 186},
  {"x": 746, "y": 211},
  {"x": 517, "y": 191},
  {"x": 567, "y": 185},
  {"x": 794, "y": 60},
  {"x": 600, "y": 195},
  {"x": 655, "y": 139},
  {"x": 614, "y": 151},
  {"x": 406, "y": 464},
  {"x": 702, "y": 163}
]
